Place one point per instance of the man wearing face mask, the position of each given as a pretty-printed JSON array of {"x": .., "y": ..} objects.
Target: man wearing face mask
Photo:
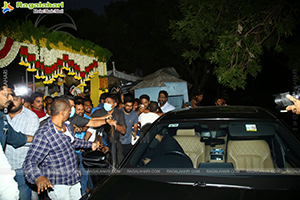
[
  {"x": 77, "y": 121},
  {"x": 118, "y": 121}
]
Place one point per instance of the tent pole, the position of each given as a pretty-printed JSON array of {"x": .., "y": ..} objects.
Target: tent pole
[
  {"x": 46, "y": 91},
  {"x": 114, "y": 149},
  {"x": 33, "y": 83},
  {"x": 26, "y": 77},
  {"x": 62, "y": 89}
]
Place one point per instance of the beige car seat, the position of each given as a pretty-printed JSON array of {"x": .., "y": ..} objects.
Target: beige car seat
[
  {"x": 253, "y": 155},
  {"x": 191, "y": 145}
]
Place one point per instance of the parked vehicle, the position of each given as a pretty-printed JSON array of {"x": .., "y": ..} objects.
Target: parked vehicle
[{"x": 232, "y": 152}]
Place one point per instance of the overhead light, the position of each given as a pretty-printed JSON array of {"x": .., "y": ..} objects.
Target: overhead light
[{"x": 21, "y": 91}]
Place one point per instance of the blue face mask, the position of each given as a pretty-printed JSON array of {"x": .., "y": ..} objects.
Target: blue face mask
[
  {"x": 107, "y": 107},
  {"x": 72, "y": 113}
]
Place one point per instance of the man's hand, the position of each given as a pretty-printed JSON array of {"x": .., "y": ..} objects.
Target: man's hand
[
  {"x": 142, "y": 108},
  {"x": 29, "y": 138},
  {"x": 134, "y": 135},
  {"x": 95, "y": 145},
  {"x": 43, "y": 184},
  {"x": 294, "y": 108},
  {"x": 77, "y": 129},
  {"x": 108, "y": 116},
  {"x": 105, "y": 149},
  {"x": 112, "y": 122}
]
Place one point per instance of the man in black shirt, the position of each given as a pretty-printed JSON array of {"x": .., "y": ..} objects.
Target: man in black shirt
[
  {"x": 199, "y": 98},
  {"x": 77, "y": 121},
  {"x": 118, "y": 121}
]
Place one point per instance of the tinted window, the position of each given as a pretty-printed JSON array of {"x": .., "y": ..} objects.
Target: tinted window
[{"x": 240, "y": 145}]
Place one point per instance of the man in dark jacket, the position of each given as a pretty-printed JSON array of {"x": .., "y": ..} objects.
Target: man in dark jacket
[{"x": 7, "y": 133}]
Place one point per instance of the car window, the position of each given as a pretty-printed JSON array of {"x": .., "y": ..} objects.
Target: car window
[{"x": 255, "y": 146}]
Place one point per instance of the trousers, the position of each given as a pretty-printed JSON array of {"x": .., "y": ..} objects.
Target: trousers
[
  {"x": 26, "y": 193},
  {"x": 65, "y": 192}
]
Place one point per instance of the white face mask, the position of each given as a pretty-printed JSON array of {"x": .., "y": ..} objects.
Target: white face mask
[
  {"x": 72, "y": 113},
  {"x": 107, "y": 107}
]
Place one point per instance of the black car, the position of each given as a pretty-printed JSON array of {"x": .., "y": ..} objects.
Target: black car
[{"x": 231, "y": 152}]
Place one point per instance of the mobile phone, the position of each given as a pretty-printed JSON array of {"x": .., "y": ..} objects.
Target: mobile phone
[{"x": 189, "y": 103}]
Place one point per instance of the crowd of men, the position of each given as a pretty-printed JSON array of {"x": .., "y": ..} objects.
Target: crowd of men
[
  {"x": 43, "y": 139},
  {"x": 38, "y": 148}
]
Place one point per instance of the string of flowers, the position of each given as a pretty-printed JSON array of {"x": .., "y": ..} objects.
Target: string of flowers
[
  {"x": 33, "y": 45},
  {"x": 49, "y": 65}
]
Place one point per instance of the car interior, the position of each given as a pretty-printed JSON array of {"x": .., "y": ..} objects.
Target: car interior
[{"x": 245, "y": 146}]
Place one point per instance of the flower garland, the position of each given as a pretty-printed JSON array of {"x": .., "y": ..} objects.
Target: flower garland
[
  {"x": 3, "y": 41},
  {"x": 49, "y": 53},
  {"x": 8, "y": 52},
  {"x": 49, "y": 64}
]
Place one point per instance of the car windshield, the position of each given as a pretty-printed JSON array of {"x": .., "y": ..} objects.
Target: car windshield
[{"x": 235, "y": 145}]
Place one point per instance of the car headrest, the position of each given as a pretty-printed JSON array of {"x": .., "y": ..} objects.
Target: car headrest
[{"x": 186, "y": 132}]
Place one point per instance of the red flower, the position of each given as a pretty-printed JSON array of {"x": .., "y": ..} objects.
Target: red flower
[
  {"x": 59, "y": 62},
  {"x": 37, "y": 64},
  {"x": 65, "y": 57},
  {"x": 82, "y": 74},
  {"x": 95, "y": 63},
  {"x": 77, "y": 68},
  {"x": 31, "y": 58},
  {"x": 71, "y": 63}
]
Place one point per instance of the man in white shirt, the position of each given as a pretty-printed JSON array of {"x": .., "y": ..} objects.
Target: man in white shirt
[
  {"x": 144, "y": 104},
  {"x": 25, "y": 121},
  {"x": 163, "y": 102},
  {"x": 8, "y": 186},
  {"x": 149, "y": 117}
]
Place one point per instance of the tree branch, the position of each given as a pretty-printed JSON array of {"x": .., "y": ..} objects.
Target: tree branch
[
  {"x": 260, "y": 24},
  {"x": 267, "y": 37}
]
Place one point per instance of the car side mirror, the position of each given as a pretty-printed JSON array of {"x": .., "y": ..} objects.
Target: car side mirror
[{"x": 94, "y": 159}]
